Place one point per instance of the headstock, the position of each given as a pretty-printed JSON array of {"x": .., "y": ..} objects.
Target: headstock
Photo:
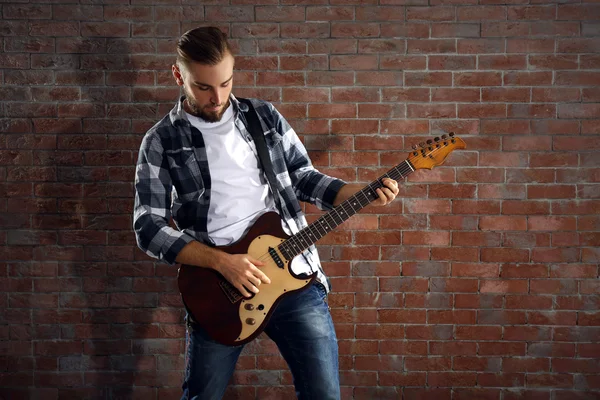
[{"x": 434, "y": 152}]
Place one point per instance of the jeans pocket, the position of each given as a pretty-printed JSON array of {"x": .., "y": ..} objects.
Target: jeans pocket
[{"x": 321, "y": 290}]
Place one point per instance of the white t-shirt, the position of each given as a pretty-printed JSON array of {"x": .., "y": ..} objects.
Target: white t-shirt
[{"x": 241, "y": 194}]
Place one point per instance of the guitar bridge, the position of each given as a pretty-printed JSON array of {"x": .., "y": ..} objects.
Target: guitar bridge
[
  {"x": 230, "y": 291},
  {"x": 276, "y": 257}
]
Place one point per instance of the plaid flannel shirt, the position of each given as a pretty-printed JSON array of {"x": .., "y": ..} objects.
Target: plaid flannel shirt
[{"x": 172, "y": 179}]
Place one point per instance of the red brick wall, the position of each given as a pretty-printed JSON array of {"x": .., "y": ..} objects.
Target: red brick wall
[{"x": 481, "y": 282}]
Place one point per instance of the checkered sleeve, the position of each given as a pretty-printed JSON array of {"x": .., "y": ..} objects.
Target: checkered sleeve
[
  {"x": 310, "y": 184},
  {"x": 151, "y": 214}
]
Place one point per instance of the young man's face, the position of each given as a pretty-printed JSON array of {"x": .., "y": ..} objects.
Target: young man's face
[{"x": 206, "y": 87}]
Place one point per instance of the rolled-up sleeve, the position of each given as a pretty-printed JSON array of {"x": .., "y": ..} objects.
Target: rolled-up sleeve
[
  {"x": 152, "y": 206},
  {"x": 310, "y": 185}
]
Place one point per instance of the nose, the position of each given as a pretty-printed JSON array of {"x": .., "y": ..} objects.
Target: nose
[{"x": 217, "y": 97}]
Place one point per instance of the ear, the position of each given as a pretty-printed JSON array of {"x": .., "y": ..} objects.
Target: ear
[{"x": 177, "y": 74}]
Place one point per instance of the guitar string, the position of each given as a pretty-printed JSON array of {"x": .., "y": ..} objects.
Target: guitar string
[{"x": 266, "y": 257}]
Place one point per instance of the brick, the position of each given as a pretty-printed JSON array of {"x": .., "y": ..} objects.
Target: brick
[
  {"x": 279, "y": 14},
  {"x": 499, "y": 191},
  {"x": 464, "y": 393},
  {"x": 527, "y": 302},
  {"x": 439, "y": 13},
  {"x": 481, "y": 111},
  {"x": 451, "y": 378},
  {"x": 552, "y": 318},
  {"x": 547, "y": 28},
  {"x": 505, "y": 95},
  {"x": 431, "y": 111},
  {"x": 555, "y": 94},
  {"x": 354, "y": 29},
  {"x": 408, "y": 62},
  {"x": 555, "y": 255},
  {"x": 528, "y": 176},
  {"x": 353, "y": 62},
  {"x": 454, "y": 30},
  {"x": 329, "y": 78},
  {"x": 538, "y": 160},
  {"x": 481, "y": 13},
  {"x": 332, "y": 46},
  {"x": 530, "y": 46},
  {"x": 502, "y": 348},
  {"x": 428, "y": 78},
  {"x": 577, "y": 11},
  {"x": 553, "y": 286},
  {"x": 380, "y": 13},
  {"x": 381, "y": 46},
  {"x": 428, "y": 364},
  {"x": 475, "y": 46},
  {"x": 579, "y": 45},
  {"x": 422, "y": 393},
  {"x": 157, "y": 29},
  {"x": 419, "y": 46},
  {"x": 409, "y": 30},
  {"x": 320, "y": 13},
  {"x": 447, "y": 317},
  {"x": 397, "y": 378},
  {"x": 539, "y": 143},
  {"x": 504, "y": 29},
  {"x": 537, "y": 12},
  {"x": 550, "y": 380}
]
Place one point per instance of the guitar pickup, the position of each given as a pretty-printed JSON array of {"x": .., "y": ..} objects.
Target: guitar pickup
[{"x": 276, "y": 257}]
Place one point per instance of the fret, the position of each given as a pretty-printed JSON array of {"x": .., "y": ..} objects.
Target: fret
[{"x": 339, "y": 214}]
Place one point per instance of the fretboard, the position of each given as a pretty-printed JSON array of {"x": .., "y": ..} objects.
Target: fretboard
[{"x": 308, "y": 236}]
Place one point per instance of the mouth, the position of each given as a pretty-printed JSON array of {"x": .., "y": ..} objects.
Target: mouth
[{"x": 214, "y": 108}]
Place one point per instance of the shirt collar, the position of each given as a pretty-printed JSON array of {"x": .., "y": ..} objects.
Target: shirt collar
[{"x": 178, "y": 116}]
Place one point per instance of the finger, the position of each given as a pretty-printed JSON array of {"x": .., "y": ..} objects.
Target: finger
[
  {"x": 382, "y": 198},
  {"x": 250, "y": 286},
  {"x": 392, "y": 185},
  {"x": 256, "y": 261},
  {"x": 389, "y": 194},
  {"x": 253, "y": 280},
  {"x": 242, "y": 290},
  {"x": 386, "y": 195},
  {"x": 261, "y": 275}
]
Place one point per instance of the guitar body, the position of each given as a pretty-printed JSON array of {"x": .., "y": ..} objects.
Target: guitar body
[
  {"x": 231, "y": 319},
  {"x": 219, "y": 308}
]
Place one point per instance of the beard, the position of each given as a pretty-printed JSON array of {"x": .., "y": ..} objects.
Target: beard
[{"x": 202, "y": 112}]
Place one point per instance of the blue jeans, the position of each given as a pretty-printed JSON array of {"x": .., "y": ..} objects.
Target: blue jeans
[{"x": 302, "y": 328}]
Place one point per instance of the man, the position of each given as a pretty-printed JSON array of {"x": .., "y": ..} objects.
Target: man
[{"x": 200, "y": 165}]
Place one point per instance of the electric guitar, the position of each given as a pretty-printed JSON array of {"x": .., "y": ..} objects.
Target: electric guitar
[{"x": 232, "y": 319}]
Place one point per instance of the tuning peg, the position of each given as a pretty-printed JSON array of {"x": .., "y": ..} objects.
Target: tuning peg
[
  {"x": 437, "y": 139},
  {"x": 451, "y": 134},
  {"x": 444, "y": 137},
  {"x": 414, "y": 147},
  {"x": 429, "y": 141},
  {"x": 422, "y": 144}
]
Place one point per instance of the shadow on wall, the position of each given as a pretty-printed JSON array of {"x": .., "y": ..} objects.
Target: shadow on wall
[{"x": 89, "y": 315}]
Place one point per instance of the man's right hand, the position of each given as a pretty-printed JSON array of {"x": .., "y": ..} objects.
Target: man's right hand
[{"x": 242, "y": 271}]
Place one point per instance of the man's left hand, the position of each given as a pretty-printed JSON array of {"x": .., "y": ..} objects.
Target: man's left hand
[{"x": 387, "y": 193}]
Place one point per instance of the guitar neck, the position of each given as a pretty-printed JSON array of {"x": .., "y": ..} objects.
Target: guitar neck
[{"x": 308, "y": 236}]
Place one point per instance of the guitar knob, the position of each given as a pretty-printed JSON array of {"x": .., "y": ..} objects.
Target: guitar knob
[
  {"x": 250, "y": 321},
  {"x": 249, "y": 306}
]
